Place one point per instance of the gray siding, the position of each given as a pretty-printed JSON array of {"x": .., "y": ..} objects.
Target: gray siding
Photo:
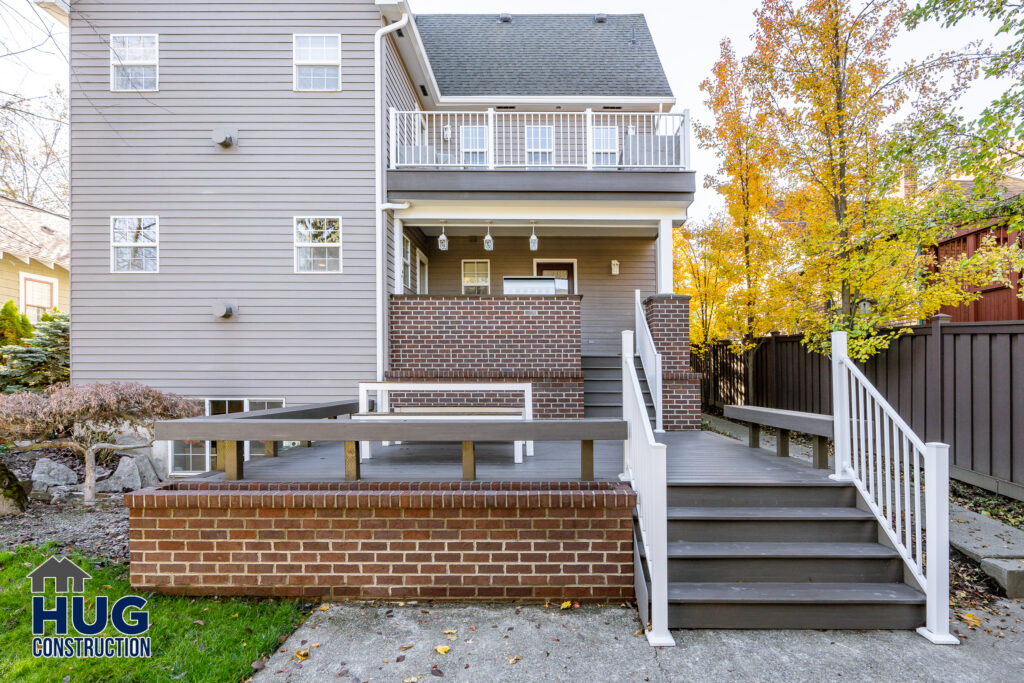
[
  {"x": 225, "y": 215},
  {"x": 607, "y": 298}
]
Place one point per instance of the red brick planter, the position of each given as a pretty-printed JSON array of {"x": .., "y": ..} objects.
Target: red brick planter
[{"x": 367, "y": 540}]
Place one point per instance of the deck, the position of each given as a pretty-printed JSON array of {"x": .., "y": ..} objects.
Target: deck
[{"x": 693, "y": 457}]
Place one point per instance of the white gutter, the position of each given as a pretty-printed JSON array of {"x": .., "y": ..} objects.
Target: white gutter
[{"x": 380, "y": 197}]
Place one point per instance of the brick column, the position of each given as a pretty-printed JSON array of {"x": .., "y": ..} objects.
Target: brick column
[{"x": 668, "y": 316}]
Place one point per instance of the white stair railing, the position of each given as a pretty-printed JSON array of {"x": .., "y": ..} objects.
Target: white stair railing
[
  {"x": 649, "y": 357},
  {"x": 882, "y": 456},
  {"x": 645, "y": 469}
]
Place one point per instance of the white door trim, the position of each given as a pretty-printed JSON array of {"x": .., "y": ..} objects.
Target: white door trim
[{"x": 575, "y": 269}]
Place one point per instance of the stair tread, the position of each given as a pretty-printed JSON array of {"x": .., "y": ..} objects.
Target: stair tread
[
  {"x": 769, "y": 513},
  {"x": 779, "y": 549},
  {"x": 805, "y": 592}
]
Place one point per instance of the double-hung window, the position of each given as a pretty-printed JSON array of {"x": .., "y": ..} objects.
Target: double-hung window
[
  {"x": 134, "y": 244},
  {"x": 540, "y": 145},
  {"x": 317, "y": 62},
  {"x": 38, "y": 295},
  {"x": 134, "y": 62},
  {"x": 317, "y": 244},
  {"x": 606, "y": 145},
  {"x": 196, "y": 456},
  {"x": 474, "y": 145},
  {"x": 476, "y": 277}
]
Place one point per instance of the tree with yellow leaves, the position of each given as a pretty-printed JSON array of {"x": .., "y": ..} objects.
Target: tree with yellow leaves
[{"x": 703, "y": 269}]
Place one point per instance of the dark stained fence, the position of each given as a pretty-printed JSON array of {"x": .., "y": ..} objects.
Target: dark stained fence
[{"x": 959, "y": 383}]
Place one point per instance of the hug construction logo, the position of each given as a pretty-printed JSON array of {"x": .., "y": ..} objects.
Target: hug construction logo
[{"x": 126, "y": 615}]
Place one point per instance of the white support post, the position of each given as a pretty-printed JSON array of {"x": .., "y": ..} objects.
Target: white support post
[
  {"x": 490, "y": 138},
  {"x": 840, "y": 409},
  {"x": 364, "y": 407},
  {"x": 399, "y": 231},
  {"x": 589, "y": 117},
  {"x": 936, "y": 512},
  {"x": 664, "y": 265}
]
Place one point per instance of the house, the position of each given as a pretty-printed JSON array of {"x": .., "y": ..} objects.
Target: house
[
  {"x": 261, "y": 234},
  {"x": 34, "y": 256}
]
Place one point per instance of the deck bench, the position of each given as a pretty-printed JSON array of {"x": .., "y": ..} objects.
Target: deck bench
[{"x": 786, "y": 421}]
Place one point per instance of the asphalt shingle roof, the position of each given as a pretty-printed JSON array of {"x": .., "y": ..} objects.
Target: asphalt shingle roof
[
  {"x": 543, "y": 55},
  {"x": 33, "y": 233}
]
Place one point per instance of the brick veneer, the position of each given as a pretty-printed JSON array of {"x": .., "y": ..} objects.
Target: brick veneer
[
  {"x": 369, "y": 540},
  {"x": 668, "y": 316},
  {"x": 534, "y": 339}
]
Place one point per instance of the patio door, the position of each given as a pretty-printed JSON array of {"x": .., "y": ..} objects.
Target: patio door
[{"x": 564, "y": 273}]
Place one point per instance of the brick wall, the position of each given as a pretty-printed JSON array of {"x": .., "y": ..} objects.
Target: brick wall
[
  {"x": 533, "y": 339},
  {"x": 668, "y": 316},
  {"x": 490, "y": 541}
]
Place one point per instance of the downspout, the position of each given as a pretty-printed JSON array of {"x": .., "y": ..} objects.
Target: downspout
[{"x": 379, "y": 198}]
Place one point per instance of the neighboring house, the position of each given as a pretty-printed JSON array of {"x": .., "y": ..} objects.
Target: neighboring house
[
  {"x": 998, "y": 301},
  {"x": 240, "y": 156},
  {"x": 34, "y": 258}
]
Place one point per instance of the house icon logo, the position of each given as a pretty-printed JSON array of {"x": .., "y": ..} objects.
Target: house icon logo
[{"x": 67, "y": 576}]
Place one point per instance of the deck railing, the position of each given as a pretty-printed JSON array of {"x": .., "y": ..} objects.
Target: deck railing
[
  {"x": 644, "y": 467},
  {"x": 886, "y": 461},
  {"x": 538, "y": 140},
  {"x": 649, "y": 358}
]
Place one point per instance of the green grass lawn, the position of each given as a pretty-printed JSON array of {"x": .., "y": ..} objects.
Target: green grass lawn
[{"x": 193, "y": 639}]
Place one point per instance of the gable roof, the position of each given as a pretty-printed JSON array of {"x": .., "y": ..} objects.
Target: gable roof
[
  {"x": 542, "y": 55},
  {"x": 31, "y": 232}
]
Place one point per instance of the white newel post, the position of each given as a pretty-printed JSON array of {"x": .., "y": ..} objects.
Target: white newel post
[
  {"x": 936, "y": 525},
  {"x": 840, "y": 408}
]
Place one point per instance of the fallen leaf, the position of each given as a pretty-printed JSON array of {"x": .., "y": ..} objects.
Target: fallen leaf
[
  {"x": 258, "y": 665},
  {"x": 324, "y": 607},
  {"x": 567, "y": 604},
  {"x": 971, "y": 620},
  {"x": 513, "y": 660},
  {"x": 301, "y": 655},
  {"x": 638, "y": 632},
  {"x": 399, "y": 659},
  {"x": 436, "y": 672},
  {"x": 199, "y": 622},
  {"x": 406, "y": 647},
  {"x": 441, "y": 649},
  {"x": 450, "y": 632},
  {"x": 315, "y": 645},
  {"x": 235, "y": 615}
]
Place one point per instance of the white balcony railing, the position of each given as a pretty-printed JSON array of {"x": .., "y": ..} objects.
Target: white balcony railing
[{"x": 538, "y": 140}]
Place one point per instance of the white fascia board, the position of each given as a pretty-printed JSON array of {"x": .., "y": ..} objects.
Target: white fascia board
[
  {"x": 58, "y": 9},
  {"x": 541, "y": 210}
]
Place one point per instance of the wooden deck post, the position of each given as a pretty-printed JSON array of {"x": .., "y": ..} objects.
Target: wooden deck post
[
  {"x": 820, "y": 453},
  {"x": 587, "y": 460},
  {"x": 782, "y": 443},
  {"x": 270, "y": 448},
  {"x": 351, "y": 461},
  {"x": 754, "y": 440},
  {"x": 468, "y": 462},
  {"x": 305, "y": 444},
  {"x": 232, "y": 455}
]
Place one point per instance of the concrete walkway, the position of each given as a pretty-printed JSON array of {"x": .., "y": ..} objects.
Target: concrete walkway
[{"x": 363, "y": 642}]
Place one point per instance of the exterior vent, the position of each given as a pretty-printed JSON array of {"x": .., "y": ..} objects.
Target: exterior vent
[
  {"x": 423, "y": 89},
  {"x": 505, "y": 107},
  {"x": 611, "y": 107},
  {"x": 600, "y": 18},
  {"x": 400, "y": 33},
  {"x": 505, "y": 18}
]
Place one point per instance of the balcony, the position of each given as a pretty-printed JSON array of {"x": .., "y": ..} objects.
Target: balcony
[{"x": 530, "y": 155}]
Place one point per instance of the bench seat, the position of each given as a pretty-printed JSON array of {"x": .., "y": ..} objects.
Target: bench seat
[{"x": 816, "y": 424}]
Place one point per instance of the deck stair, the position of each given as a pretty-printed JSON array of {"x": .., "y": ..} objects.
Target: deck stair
[
  {"x": 789, "y": 549},
  {"x": 602, "y": 386}
]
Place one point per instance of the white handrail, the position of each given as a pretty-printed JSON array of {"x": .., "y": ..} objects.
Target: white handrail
[
  {"x": 649, "y": 358},
  {"x": 538, "y": 140},
  {"x": 881, "y": 455},
  {"x": 645, "y": 470}
]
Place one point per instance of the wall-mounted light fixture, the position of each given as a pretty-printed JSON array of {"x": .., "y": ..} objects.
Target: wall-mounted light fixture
[
  {"x": 534, "y": 242},
  {"x": 446, "y": 132},
  {"x": 488, "y": 240},
  {"x": 615, "y": 267},
  {"x": 442, "y": 241}
]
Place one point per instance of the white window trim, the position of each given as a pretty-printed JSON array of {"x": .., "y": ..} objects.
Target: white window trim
[
  {"x": 114, "y": 245},
  {"x": 575, "y": 269},
  {"x": 422, "y": 258},
  {"x": 474, "y": 150},
  {"x": 407, "y": 262},
  {"x": 154, "y": 63},
  {"x": 22, "y": 276},
  {"x": 462, "y": 272},
  {"x": 595, "y": 151},
  {"x": 296, "y": 62},
  {"x": 209, "y": 450},
  {"x": 296, "y": 244},
  {"x": 547, "y": 150}
]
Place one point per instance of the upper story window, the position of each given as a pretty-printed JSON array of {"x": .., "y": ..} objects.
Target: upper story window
[
  {"x": 38, "y": 295},
  {"x": 540, "y": 145},
  {"x": 134, "y": 62},
  {"x": 474, "y": 145},
  {"x": 134, "y": 244},
  {"x": 476, "y": 277},
  {"x": 606, "y": 145},
  {"x": 317, "y": 244},
  {"x": 317, "y": 62}
]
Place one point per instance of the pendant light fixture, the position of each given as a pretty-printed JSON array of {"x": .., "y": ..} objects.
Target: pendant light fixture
[
  {"x": 442, "y": 241},
  {"x": 488, "y": 240},
  {"x": 534, "y": 242}
]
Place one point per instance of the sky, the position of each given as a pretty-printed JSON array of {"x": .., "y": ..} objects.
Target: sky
[{"x": 686, "y": 33}]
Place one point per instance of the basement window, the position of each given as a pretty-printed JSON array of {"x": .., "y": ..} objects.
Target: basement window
[
  {"x": 317, "y": 63},
  {"x": 134, "y": 63},
  {"x": 317, "y": 244},
  {"x": 196, "y": 456}
]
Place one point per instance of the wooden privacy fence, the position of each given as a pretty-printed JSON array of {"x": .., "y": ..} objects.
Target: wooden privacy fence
[{"x": 959, "y": 383}]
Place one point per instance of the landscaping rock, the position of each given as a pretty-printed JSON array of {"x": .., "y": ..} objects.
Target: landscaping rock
[
  {"x": 13, "y": 500},
  {"x": 60, "y": 494},
  {"x": 52, "y": 473},
  {"x": 147, "y": 473},
  {"x": 1007, "y": 573},
  {"x": 125, "y": 477},
  {"x": 39, "y": 491}
]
